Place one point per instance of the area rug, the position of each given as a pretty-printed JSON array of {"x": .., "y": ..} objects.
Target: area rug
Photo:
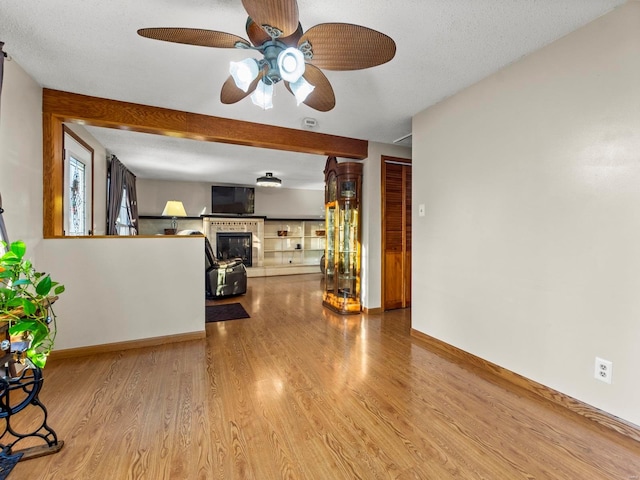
[{"x": 226, "y": 311}]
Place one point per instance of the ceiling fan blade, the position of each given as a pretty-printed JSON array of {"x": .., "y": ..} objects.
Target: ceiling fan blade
[
  {"x": 343, "y": 46},
  {"x": 322, "y": 97},
  {"x": 258, "y": 36},
  {"x": 230, "y": 93},
  {"x": 292, "y": 40},
  {"x": 280, "y": 14},
  {"x": 255, "y": 32},
  {"x": 193, "y": 36}
]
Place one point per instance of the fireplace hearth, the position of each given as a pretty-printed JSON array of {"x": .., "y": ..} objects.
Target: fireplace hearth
[{"x": 234, "y": 245}]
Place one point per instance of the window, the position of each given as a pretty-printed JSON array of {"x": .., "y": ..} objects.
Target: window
[
  {"x": 78, "y": 205},
  {"x": 77, "y": 197},
  {"x": 125, "y": 223}
]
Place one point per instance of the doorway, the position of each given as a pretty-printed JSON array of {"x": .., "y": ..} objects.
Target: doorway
[{"x": 396, "y": 233}]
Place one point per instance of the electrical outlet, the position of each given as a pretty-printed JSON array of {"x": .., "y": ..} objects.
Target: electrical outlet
[{"x": 604, "y": 370}]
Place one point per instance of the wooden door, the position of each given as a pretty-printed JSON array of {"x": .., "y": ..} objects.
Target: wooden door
[{"x": 396, "y": 232}]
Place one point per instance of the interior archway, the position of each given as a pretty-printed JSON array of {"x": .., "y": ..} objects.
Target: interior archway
[{"x": 59, "y": 107}]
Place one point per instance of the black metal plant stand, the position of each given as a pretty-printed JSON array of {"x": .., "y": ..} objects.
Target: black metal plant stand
[{"x": 19, "y": 398}]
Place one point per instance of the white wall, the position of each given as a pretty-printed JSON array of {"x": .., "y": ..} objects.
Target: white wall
[
  {"x": 118, "y": 289},
  {"x": 529, "y": 253},
  {"x": 196, "y": 197},
  {"x": 21, "y": 155},
  {"x": 289, "y": 202},
  {"x": 371, "y": 293},
  {"x": 154, "y": 194},
  {"x": 121, "y": 289}
]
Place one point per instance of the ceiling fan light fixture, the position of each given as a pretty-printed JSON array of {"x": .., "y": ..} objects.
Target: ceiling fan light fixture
[
  {"x": 263, "y": 95},
  {"x": 301, "y": 89},
  {"x": 269, "y": 181},
  {"x": 244, "y": 72},
  {"x": 291, "y": 64},
  {"x": 288, "y": 53}
]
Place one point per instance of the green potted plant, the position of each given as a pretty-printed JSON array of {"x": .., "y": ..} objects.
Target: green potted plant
[{"x": 26, "y": 298}]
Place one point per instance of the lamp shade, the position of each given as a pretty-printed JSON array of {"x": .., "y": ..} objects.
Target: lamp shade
[
  {"x": 269, "y": 181},
  {"x": 244, "y": 72},
  {"x": 174, "y": 208},
  {"x": 291, "y": 64},
  {"x": 263, "y": 95},
  {"x": 301, "y": 89}
]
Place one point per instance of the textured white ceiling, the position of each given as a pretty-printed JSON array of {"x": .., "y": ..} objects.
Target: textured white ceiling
[
  {"x": 443, "y": 46},
  {"x": 171, "y": 158}
]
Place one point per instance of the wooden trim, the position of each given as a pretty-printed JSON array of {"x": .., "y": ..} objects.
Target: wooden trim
[
  {"x": 59, "y": 107},
  {"x": 576, "y": 406},
  {"x": 101, "y": 112},
  {"x": 128, "y": 345},
  {"x": 372, "y": 311},
  {"x": 123, "y": 237},
  {"x": 71, "y": 133},
  {"x": 52, "y": 176}
]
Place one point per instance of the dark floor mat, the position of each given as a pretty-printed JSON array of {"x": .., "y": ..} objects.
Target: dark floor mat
[{"x": 226, "y": 311}]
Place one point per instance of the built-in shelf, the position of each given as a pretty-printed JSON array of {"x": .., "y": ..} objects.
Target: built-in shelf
[
  {"x": 230, "y": 215},
  {"x": 294, "y": 242},
  {"x": 298, "y": 251}
]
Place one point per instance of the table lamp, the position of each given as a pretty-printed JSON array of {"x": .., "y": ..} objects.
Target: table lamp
[{"x": 174, "y": 209}]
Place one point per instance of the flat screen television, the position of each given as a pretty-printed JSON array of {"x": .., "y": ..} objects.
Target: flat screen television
[{"x": 235, "y": 200}]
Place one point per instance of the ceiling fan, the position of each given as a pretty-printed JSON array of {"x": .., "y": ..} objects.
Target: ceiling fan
[{"x": 289, "y": 54}]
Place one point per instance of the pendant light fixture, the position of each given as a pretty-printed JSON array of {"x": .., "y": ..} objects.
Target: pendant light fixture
[{"x": 269, "y": 181}]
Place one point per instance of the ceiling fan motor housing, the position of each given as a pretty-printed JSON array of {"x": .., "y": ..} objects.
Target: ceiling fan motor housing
[{"x": 271, "y": 51}]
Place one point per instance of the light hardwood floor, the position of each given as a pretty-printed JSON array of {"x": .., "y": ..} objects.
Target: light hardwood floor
[{"x": 297, "y": 392}]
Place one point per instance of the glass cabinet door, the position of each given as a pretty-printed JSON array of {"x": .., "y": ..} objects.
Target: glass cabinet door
[
  {"x": 348, "y": 264},
  {"x": 342, "y": 254},
  {"x": 330, "y": 249}
]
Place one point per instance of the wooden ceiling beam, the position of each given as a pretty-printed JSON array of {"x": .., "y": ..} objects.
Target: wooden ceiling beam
[{"x": 72, "y": 107}]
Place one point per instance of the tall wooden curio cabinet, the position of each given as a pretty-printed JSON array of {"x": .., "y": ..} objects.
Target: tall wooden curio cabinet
[{"x": 343, "y": 182}]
